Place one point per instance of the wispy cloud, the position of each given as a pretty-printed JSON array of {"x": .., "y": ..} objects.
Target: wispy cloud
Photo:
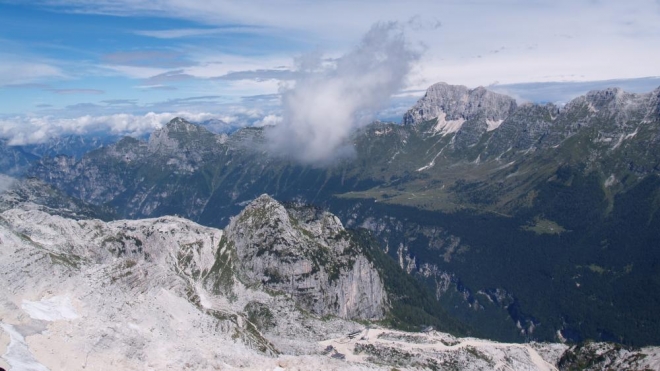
[
  {"x": 27, "y": 86},
  {"x": 77, "y": 91},
  {"x": 169, "y": 76},
  {"x": 195, "y": 32},
  {"x": 17, "y": 73},
  {"x": 147, "y": 58},
  {"x": 259, "y": 75},
  {"x": 157, "y": 87},
  {"x": 134, "y": 72},
  {"x": 116, "y": 102},
  {"x": 49, "y": 88},
  {"x": 82, "y": 107}
]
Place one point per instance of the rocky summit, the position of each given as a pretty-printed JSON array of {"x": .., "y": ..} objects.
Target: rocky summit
[
  {"x": 307, "y": 254},
  {"x": 453, "y": 105}
]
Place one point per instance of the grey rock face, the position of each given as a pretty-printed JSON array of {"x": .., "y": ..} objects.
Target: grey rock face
[
  {"x": 13, "y": 160},
  {"x": 528, "y": 126},
  {"x": 70, "y": 145},
  {"x": 307, "y": 254},
  {"x": 36, "y": 194},
  {"x": 470, "y": 133},
  {"x": 459, "y": 102}
]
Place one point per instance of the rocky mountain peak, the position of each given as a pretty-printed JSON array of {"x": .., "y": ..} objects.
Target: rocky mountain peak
[
  {"x": 178, "y": 124},
  {"x": 263, "y": 212},
  {"x": 602, "y": 98},
  {"x": 178, "y": 133},
  {"x": 306, "y": 253},
  {"x": 616, "y": 99},
  {"x": 457, "y": 102}
]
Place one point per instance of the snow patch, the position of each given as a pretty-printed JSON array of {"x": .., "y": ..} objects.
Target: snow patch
[
  {"x": 624, "y": 137},
  {"x": 56, "y": 308},
  {"x": 602, "y": 140},
  {"x": 445, "y": 127},
  {"x": 631, "y": 135},
  {"x": 18, "y": 354},
  {"x": 383, "y": 132},
  {"x": 133, "y": 326},
  {"x": 432, "y": 163},
  {"x": 493, "y": 124},
  {"x": 610, "y": 181},
  {"x": 203, "y": 299}
]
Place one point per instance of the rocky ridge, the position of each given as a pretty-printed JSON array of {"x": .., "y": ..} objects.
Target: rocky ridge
[{"x": 456, "y": 102}]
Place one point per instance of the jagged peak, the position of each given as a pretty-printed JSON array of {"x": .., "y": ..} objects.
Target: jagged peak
[
  {"x": 458, "y": 102},
  {"x": 179, "y": 124},
  {"x": 261, "y": 211},
  {"x": 613, "y": 97},
  {"x": 264, "y": 201},
  {"x": 176, "y": 133},
  {"x": 461, "y": 89},
  {"x": 605, "y": 94},
  {"x": 264, "y": 198}
]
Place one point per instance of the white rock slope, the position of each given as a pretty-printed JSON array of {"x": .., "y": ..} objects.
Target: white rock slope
[{"x": 167, "y": 293}]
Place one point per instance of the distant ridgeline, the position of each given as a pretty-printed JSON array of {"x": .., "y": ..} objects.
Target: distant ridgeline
[{"x": 527, "y": 221}]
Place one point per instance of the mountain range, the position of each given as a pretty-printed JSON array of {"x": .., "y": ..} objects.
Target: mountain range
[
  {"x": 509, "y": 221},
  {"x": 474, "y": 194}
]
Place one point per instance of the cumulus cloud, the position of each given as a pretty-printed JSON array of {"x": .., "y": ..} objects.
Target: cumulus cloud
[
  {"x": 25, "y": 130},
  {"x": 268, "y": 120},
  {"x": 330, "y": 100}
]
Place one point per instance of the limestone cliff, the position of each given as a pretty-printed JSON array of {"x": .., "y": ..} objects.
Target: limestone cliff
[{"x": 307, "y": 253}]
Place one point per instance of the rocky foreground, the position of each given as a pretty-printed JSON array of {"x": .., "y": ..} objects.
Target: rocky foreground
[{"x": 280, "y": 288}]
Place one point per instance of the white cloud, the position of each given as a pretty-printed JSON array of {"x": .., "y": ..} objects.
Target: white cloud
[
  {"x": 135, "y": 72},
  {"x": 24, "y": 130},
  {"x": 192, "y": 32},
  {"x": 325, "y": 105},
  {"x": 269, "y": 120},
  {"x": 13, "y": 71},
  {"x": 599, "y": 39}
]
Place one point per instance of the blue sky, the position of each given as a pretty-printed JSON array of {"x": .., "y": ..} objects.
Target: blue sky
[{"x": 66, "y": 63}]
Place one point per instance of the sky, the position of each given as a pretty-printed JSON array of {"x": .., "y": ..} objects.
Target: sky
[{"x": 75, "y": 66}]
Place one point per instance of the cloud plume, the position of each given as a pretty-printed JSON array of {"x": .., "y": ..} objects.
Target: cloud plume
[{"x": 331, "y": 98}]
